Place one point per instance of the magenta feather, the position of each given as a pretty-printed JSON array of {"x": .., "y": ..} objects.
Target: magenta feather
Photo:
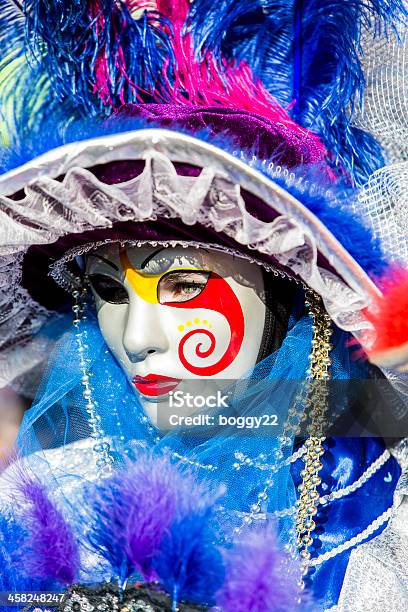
[
  {"x": 206, "y": 81},
  {"x": 51, "y": 551},
  {"x": 260, "y": 576}
]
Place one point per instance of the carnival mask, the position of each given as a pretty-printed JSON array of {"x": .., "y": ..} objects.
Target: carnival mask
[{"x": 172, "y": 316}]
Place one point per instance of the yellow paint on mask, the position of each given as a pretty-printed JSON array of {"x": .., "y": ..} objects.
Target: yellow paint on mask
[{"x": 144, "y": 285}]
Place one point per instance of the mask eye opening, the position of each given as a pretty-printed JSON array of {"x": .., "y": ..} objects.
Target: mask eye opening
[
  {"x": 181, "y": 285},
  {"x": 108, "y": 289}
]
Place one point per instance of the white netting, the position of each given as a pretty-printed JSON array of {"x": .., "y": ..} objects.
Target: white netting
[
  {"x": 384, "y": 203},
  {"x": 384, "y": 111}
]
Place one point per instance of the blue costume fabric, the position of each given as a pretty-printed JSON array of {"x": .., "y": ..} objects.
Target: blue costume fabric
[{"x": 345, "y": 460}]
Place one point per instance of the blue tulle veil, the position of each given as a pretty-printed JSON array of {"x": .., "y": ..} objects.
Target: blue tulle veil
[{"x": 252, "y": 467}]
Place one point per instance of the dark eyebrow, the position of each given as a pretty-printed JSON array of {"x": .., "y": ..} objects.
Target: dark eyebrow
[
  {"x": 149, "y": 257},
  {"x": 110, "y": 263}
]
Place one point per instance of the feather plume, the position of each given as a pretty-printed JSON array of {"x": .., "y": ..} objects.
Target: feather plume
[
  {"x": 189, "y": 565},
  {"x": 26, "y": 95},
  {"x": 95, "y": 53},
  {"x": 210, "y": 81},
  {"x": 12, "y": 538},
  {"x": 131, "y": 512},
  {"x": 389, "y": 316},
  {"x": 100, "y": 54},
  {"x": 12, "y": 28},
  {"x": 26, "y": 101},
  {"x": 307, "y": 54},
  {"x": 51, "y": 551},
  {"x": 260, "y": 577}
]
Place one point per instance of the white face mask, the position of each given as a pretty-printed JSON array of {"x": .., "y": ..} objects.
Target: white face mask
[{"x": 177, "y": 317}]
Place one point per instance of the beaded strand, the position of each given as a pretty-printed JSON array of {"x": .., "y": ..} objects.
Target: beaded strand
[
  {"x": 320, "y": 361},
  {"x": 311, "y": 450},
  {"x": 365, "y": 476},
  {"x": 101, "y": 448}
]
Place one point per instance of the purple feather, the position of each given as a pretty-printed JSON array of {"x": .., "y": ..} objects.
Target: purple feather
[
  {"x": 132, "y": 511},
  {"x": 259, "y": 576},
  {"x": 52, "y": 553},
  {"x": 189, "y": 564}
]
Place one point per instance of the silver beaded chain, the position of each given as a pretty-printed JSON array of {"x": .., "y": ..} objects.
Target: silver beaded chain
[
  {"x": 101, "y": 448},
  {"x": 359, "y": 482}
]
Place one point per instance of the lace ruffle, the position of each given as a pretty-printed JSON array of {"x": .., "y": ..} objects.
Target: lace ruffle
[{"x": 52, "y": 208}]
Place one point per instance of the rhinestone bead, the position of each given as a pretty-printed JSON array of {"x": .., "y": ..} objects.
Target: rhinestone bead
[
  {"x": 309, "y": 524},
  {"x": 103, "y": 446},
  {"x": 305, "y": 554}
]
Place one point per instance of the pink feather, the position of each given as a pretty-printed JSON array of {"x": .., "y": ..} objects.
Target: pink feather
[{"x": 205, "y": 81}]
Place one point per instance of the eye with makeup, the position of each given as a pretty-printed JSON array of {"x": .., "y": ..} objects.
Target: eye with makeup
[
  {"x": 109, "y": 289},
  {"x": 181, "y": 286}
]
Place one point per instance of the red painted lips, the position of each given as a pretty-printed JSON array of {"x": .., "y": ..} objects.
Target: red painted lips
[{"x": 153, "y": 385}]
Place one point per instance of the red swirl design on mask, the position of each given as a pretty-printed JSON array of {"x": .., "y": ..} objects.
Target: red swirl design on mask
[
  {"x": 203, "y": 353},
  {"x": 217, "y": 296}
]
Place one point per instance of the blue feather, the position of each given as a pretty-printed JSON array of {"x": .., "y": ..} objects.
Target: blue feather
[
  {"x": 130, "y": 512},
  {"x": 12, "y": 24},
  {"x": 56, "y": 129},
  {"x": 12, "y": 539},
  {"x": 95, "y": 53},
  {"x": 189, "y": 565},
  {"x": 306, "y": 52},
  {"x": 27, "y": 103},
  {"x": 26, "y": 95}
]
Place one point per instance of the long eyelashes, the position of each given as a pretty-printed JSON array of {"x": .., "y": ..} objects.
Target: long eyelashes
[
  {"x": 108, "y": 289},
  {"x": 181, "y": 286},
  {"x": 173, "y": 287}
]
